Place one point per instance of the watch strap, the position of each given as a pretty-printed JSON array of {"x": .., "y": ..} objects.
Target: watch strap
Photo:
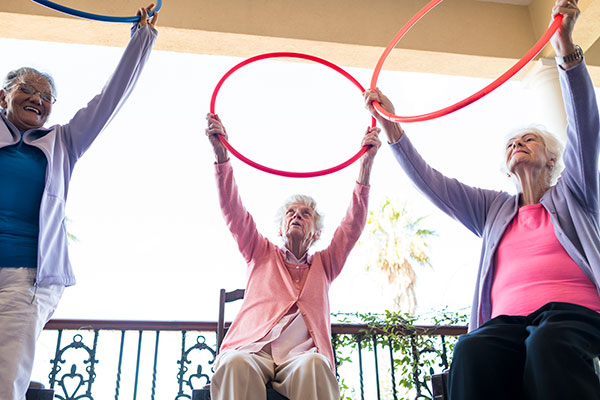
[{"x": 575, "y": 56}]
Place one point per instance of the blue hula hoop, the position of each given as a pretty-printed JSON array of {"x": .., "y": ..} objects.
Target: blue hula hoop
[{"x": 95, "y": 17}]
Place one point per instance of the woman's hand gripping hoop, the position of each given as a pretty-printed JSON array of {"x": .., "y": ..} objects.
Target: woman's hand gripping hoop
[{"x": 95, "y": 17}]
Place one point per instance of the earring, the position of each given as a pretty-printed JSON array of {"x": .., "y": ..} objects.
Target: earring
[{"x": 508, "y": 174}]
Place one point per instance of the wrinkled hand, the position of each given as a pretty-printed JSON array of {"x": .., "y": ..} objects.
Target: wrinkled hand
[
  {"x": 562, "y": 40},
  {"x": 214, "y": 129},
  {"x": 372, "y": 95},
  {"x": 392, "y": 129},
  {"x": 371, "y": 139},
  {"x": 143, "y": 13}
]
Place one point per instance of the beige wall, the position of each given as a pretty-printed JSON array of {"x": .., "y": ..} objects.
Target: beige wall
[{"x": 459, "y": 37}]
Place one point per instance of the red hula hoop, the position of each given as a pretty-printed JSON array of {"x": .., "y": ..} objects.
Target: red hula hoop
[
  {"x": 277, "y": 171},
  {"x": 537, "y": 47}
]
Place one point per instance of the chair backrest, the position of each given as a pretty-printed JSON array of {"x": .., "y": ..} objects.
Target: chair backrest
[{"x": 225, "y": 297}]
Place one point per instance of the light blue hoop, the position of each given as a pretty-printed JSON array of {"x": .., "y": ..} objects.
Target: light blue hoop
[{"x": 95, "y": 17}]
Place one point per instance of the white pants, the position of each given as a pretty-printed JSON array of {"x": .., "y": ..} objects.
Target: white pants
[
  {"x": 24, "y": 310},
  {"x": 242, "y": 376}
]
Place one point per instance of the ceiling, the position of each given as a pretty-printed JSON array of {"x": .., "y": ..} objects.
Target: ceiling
[
  {"x": 459, "y": 37},
  {"x": 515, "y": 2}
]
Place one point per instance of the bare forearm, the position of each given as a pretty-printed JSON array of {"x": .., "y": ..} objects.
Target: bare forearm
[
  {"x": 364, "y": 174},
  {"x": 221, "y": 155},
  {"x": 393, "y": 130}
]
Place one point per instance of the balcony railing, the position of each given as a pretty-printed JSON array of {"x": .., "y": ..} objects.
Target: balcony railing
[{"x": 101, "y": 359}]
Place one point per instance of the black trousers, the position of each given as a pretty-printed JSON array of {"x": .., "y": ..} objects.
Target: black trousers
[{"x": 546, "y": 355}]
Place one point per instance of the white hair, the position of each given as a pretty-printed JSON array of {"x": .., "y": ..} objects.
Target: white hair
[
  {"x": 13, "y": 77},
  {"x": 554, "y": 147},
  {"x": 303, "y": 199}
]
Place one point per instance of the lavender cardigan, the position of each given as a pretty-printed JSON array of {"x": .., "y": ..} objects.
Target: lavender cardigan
[
  {"x": 63, "y": 145},
  {"x": 572, "y": 202}
]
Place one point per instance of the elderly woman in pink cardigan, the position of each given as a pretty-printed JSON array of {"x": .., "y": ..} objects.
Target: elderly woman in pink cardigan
[{"x": 282, "y": 332}]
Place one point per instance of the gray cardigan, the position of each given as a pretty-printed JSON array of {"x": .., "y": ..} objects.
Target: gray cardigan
[
  {"x": 64, "y": 144},
  {"x": 572, "y": 202}
]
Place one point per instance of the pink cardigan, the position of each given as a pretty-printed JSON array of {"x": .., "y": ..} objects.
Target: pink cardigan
[{"x": 270, "y": 292}]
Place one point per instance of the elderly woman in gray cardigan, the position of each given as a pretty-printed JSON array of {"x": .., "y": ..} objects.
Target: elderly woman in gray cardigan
[
  {"x": 535, "y": 327},
  {"x": 36, "y": 164}
]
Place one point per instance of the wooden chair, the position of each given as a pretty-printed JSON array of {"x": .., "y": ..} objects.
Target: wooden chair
[
  {"x": 36, "y": 391},
  {"x": 439, "y": 386},
  {"x": 227, "y": 297}
]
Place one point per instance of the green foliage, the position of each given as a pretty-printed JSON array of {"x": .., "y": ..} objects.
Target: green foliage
[
  {"x": 344, "y": 388},
  {"x": 417, "y": 354}
]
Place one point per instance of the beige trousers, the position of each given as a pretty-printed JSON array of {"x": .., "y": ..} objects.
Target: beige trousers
[
  {"x": 24, "y": 310},
  {"x": 242, "y": 376}
]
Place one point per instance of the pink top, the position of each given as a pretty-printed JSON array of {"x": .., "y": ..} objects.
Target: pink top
[
  {"x": 290, "y": 336},
  {"x": 533, "y": 269},
  {"x": 270, "y": 290}
]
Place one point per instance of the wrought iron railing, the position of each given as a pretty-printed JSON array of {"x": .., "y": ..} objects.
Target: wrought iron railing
[
  {"x": 411, "y": 361},
  {"x": 100, "y": 359}
]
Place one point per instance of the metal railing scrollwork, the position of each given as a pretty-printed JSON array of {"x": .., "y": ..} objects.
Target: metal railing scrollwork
[{"x": 114, "y": 358}]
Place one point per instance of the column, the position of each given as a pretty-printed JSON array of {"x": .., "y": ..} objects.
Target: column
[{"x": 546, "y": 97}]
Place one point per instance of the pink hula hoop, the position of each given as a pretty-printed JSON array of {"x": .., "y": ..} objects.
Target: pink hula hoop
[
  {"x": 277, "y": 171},
  {"x": 537, "y": 47}
]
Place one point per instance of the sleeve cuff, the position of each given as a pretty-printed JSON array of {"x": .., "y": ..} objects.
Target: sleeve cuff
[
  {"x": 135, "y": 28},
  {"x": 362, "y": 190},
  {"x": 223, "y": 167},
  {"x": 573, "y": 68},
  {"x": 400, "y": 142}
]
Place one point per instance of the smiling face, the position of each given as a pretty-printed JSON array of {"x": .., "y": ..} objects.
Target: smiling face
[
  {"x": 527, "y": 150},
  {"x": 298, "y": 223},
  {"x": 27, "y": 110}
]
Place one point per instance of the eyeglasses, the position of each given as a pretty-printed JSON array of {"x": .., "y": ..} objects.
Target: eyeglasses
[{"x": 30, "y": 90}]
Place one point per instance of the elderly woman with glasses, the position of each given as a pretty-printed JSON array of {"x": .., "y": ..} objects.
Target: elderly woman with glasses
[
  {"x": 36, "y": 164},
  {"x": 535, "y": 322},
  {"x": 282, "y": 333}
]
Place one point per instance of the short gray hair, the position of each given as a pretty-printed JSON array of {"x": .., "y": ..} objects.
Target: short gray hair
[
  {"x": 554, "y": 147},
  {"x": 12, "y": 78},
  {"x": 303, "y": 199}
]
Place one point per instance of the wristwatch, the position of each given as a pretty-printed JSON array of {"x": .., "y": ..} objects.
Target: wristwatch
[{"x": 575, "y": 56}]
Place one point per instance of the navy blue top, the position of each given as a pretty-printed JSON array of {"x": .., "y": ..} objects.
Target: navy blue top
[{"x": 22, "y": 180}]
